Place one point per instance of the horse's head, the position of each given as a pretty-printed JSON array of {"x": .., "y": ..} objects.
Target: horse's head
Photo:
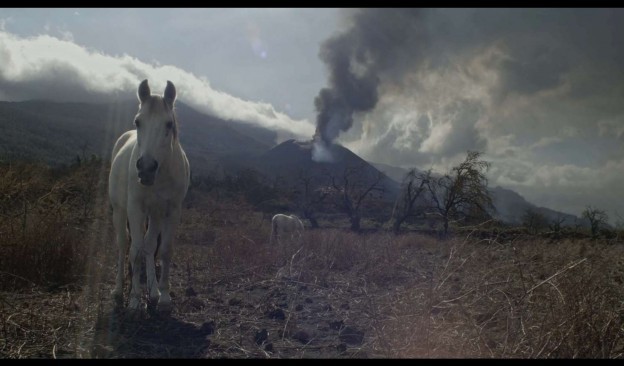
[{"x": 156, "y": 131}]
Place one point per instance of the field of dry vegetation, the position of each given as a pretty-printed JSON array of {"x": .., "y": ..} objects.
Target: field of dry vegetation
[{"x": 335, "y": 294}]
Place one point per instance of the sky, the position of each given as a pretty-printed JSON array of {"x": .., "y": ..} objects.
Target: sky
[{"x": 539, "y": 91}]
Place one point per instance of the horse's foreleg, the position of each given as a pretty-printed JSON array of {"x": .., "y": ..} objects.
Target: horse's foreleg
[
  {"x": 119, "y": 222},
  {"x": 136, "y": 219},
  {"x": 151, "y": 242},
  {"x": 166, "y": 250},
  {"x": 273, "y": 233}
]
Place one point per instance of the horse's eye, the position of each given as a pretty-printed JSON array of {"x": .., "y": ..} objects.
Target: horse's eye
[
  {"x": 136, "y": 123},
  {"x": 169, "y": 125}
]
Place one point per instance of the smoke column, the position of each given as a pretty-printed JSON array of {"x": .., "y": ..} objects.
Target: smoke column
[{"x": 376, "y": 42}]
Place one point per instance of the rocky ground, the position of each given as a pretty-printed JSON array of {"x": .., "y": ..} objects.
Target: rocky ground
[
  {"x": 271, "y": 310},
  {"x": 411, "y": 297}
]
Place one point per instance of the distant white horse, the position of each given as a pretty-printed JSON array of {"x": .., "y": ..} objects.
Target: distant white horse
[
  {"x": 148, "y": 180},
  {"x": 285, "y": 226}
]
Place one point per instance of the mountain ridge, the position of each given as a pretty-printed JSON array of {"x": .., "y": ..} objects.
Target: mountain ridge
[
  {"x": 510, "y": 205},
  {"x": 60, "y": 132}
]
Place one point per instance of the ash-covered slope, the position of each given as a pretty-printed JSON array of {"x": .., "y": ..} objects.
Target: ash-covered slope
[
  {"x": 292, "y": 159},
  {"x": 56, "y": 133}
]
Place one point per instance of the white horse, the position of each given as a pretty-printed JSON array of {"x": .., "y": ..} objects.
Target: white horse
[
  {"x": 148, "y": 180},
  {"x": 285, "y": 225}
]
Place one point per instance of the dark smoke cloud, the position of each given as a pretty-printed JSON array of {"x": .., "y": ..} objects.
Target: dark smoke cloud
[
  {"x": 538, "y": 90},
  {"x": 356, "y": 58},
  {"x": 540, "y": 50}
]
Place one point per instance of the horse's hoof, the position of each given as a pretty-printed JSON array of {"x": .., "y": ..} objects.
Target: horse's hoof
[
  {"x": 132, "y": 314},
  {"x": 165, "y": 307},
  {"x": 152, "y": 304}
]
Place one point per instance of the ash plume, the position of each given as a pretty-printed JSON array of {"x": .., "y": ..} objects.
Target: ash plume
[{"x": 372, "y": 45}]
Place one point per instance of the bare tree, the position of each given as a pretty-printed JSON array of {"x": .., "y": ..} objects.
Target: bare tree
[
  {"x": 413, "y": 187},
  {"x": 597, "y": 219},
  {"x": 308, "y": 196},
  {"x": 353, "y": 188},
  {"x": 556, "y": 226},
  {"x": 462, "y": 192},
  {"x": 534, "y": 221}
]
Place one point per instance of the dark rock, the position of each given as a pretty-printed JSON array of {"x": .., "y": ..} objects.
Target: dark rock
[
  {"x": 336, "y": 325},
  {"x": 351, "y": 335},
  {"x": 234, "y": 301},
  {"x": 269, "y": 347},
  {"x": 302, "y": 336},
  {"x": 276, "y": 314},
  {"x": 190, "y": 292},
  {"x": 261, "y": 336},
  {"x": 192, "y": 304},
  {"x": 299, "y": 307},
  {"x": 308, "y": 300}
]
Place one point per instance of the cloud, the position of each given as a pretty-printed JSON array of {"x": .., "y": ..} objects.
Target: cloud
[
  {"x": 4, "y": 22},
  {"x": 540, "y": 95},
  {"x": 565, "y": 187},
  {"x": 46, "y": 67}
]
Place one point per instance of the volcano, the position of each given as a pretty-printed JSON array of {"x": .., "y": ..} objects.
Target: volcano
[{"x": 289, "y": 160}]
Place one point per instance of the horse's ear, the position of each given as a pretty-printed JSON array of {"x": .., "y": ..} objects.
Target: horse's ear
[
  {"x": 144, "y": 91},
  {"x": 170, "y": 94}
]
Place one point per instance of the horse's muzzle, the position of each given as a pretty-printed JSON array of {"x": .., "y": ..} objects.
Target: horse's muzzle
[
  {"x": 147, "y": 172},
  {"x": 146, "y": 179}
]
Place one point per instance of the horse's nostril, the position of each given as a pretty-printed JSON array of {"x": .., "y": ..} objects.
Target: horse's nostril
[{"x": 148, "y": 167}]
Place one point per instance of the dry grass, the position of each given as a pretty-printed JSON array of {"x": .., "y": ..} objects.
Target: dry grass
[
  {"x": 333, "y": 294},
  {"x": 521, "y": 300},
  {"x": 45, "y": 217}
]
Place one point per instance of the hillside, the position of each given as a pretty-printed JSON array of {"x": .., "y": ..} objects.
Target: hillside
[
  {"x": 57, "y": 133},
  {"x": 291, "y": 159},
  {"x": 510, "y": 206},
  {"x": 330, "y": 294}
]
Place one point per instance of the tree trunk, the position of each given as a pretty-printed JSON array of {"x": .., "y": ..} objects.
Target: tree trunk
[
  {"x": 310, "y": 216},
  {"x": 396, "y": 227},
  {"x": 355, "y": 223}
]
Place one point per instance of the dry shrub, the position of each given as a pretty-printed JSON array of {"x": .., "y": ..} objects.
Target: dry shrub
[
  {"x": 529, "y": 299},
  {"x": 232, "y": 237},
  {"x": 44, "y": 214},
  {"x": 411, "y": 295}
]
